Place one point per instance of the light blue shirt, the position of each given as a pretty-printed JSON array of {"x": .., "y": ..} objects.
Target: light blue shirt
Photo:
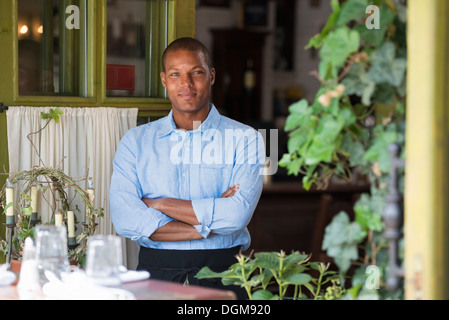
[{"x": 157, "y": 160}]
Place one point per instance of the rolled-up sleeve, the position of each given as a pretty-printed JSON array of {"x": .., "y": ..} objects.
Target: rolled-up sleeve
[
  {"x": 129, "y": 214},
  {"x": 227, "y": 215}
]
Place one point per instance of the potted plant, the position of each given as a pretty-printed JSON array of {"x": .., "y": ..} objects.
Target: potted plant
[
  {"x": 284, "y": 271},
  {"x": 53, "y": 179},
  {"x": 357, "y": 113}
]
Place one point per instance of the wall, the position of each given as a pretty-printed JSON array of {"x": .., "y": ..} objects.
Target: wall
[{"x": 309, "y": 20}]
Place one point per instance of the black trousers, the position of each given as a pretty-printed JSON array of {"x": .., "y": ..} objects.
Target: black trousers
[{"x": 181, "y": 266}]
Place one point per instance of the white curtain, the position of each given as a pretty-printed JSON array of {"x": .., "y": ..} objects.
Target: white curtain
[{"x": 82, "y": 143}]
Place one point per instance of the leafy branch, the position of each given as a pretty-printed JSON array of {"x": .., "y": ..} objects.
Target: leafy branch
[{"x": 356, "y": 114}]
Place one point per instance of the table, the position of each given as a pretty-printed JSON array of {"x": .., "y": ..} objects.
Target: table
[{"x": 152, "y": 289}]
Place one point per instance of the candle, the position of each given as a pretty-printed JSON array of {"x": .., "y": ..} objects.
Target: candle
[
  {"x": 71, "y": 223},
  {"x": 91, "y": 195},
  {"x": 71, "y": 227},
  {"x": 9, "y": 200},
  {"x": 91, "y": 192},
  {"x": 58, "y": 218},
  {"x": 33, "y": 198}
]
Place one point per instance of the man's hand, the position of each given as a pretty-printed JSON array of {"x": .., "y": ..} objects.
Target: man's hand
[
  {"x": 181, "y": 210},
  {"x": 230, "y": 191},
  {"x": 158, "y": 204}
]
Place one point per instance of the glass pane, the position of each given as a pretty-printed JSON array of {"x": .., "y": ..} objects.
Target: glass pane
[
  {"x": 137, "y": 33},
  {"x": 52, "y": 47}
]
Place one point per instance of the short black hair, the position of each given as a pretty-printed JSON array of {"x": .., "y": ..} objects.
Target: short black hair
[{"x": 188, "y": 44}]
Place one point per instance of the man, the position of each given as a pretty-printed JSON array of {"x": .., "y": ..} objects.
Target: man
[{"x": 184, "y": 187}]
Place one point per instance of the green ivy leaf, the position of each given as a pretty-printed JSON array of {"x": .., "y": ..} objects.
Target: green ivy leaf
[
  {"x": 352, "y": 10},
  {"x": 340, "y": 241},
  {"x": 339, "y": 45},
  {"x": 379, "y": 148},
  {"x": 357, "y": 82},
  {"x": 27, "y": 211},
  {"x": 354, "y": 149},
  {"x": 297, "y": 139},
  {"x": 365, "y": 216},
  {"x": 52, "y": 114},
  {"x": 374, "y": 37},
  {"x": 385, "y": 68},
  {"x": 317, "y": 41}
]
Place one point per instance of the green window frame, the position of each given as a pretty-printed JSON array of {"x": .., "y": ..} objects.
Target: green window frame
[
  {"x": 181, "y": 18},
  {"x": 181, "y": 21}
]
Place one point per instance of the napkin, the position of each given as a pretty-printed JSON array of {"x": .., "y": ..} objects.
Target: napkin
[
  {"x": 130, "y": 275},
  {"x": 76, "y": 286},
  {"x": 6, "y": 277}
]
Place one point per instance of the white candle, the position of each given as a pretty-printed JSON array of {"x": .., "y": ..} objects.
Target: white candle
[
  {"x": 71, "y": 223},
  {"x": 34, "y": 198},
  {"x": 91, "y": 195},
  {"x": 91, "y": 191},
  {"x": 58, "y": 218},
  {"x": 9, "y": 198}
]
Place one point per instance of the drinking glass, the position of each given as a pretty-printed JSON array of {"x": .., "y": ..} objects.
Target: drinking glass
[
  {"x": 51, "y": 251},
  {"x": 104, "y": 258}
]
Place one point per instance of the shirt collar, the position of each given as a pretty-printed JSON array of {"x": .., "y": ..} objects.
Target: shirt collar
[{"x": 211, "y": 122}]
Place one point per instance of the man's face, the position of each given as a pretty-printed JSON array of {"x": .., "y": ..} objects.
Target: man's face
[{"x": 188, "y": 80}]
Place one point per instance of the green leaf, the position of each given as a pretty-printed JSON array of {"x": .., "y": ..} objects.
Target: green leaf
[
  {"x": 299, "y": 279},
  {"x": 300, "y": 116},
  {"x": 27, "y": 211},
  {"x": 352, "y": 10},
  {"x": 285, "y": 160},
  {"x": 357, "y": 82},
  {"x": 324, "y": 140},
  {"x": 341, "y": 239},
  {"x": 9, "y": 204},
  {"x": 297, "y": 139},
  {"x": 231, "y": 281},
  {"x": 294, "y": 166},
  {"x": 307, "y": 182},
  {"x": 262, "y": 295},
  {"x": 354, "y": 149},
  {"x": 295, "y": 257},
  {"x": 206, "y": 273},
  {"x": 317, "y": 41},
  {"x": 374, "y": 37},
  {"x": 385, "y": 68},
  {"x": 379, "y": 149},
  {"x": 339, "y": 45},
  {"x": 365, "y": 216},
  {"x": 267, "y": 260},
  {"x": 52, "y": 114}
]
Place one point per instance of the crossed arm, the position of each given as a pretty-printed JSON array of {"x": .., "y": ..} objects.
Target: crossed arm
[{"x": 181, "y": 210}]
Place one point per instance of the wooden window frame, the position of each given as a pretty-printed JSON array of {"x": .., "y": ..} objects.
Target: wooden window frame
[{"x": 182, "y": 13}]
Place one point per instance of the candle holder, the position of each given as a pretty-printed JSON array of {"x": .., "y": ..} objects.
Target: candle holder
[
  {"x": 10, "y": 227},
  {"x": 72, "y": 244},
  {"x": 34, "y": 219}
]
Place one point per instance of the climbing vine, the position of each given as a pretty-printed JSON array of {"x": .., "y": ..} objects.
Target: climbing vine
[{"x": 357, "y": 113}]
